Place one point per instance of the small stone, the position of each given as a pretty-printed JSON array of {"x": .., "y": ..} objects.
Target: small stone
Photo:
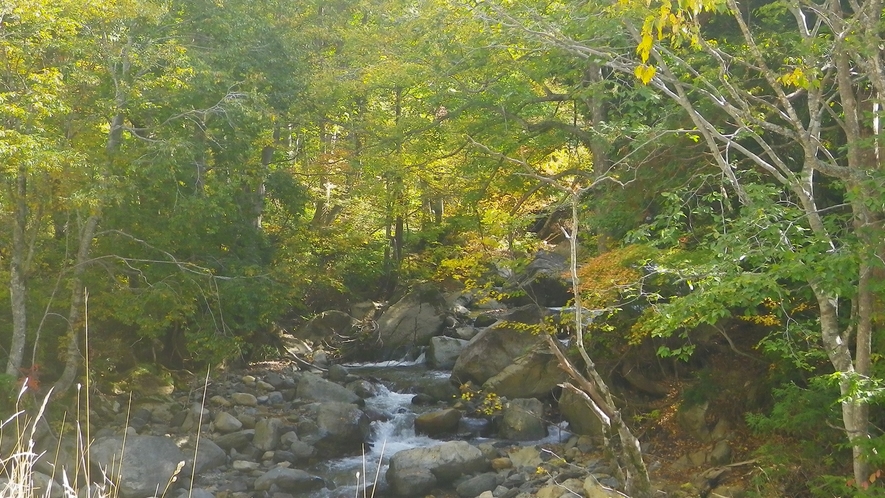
[
  {"x": 243, "y": 465},
  {"x": 502, "y": 463},
  {"x": 264, "y": 386},
  {"x": 220, "y": 401},
  {"x": 249, "y": 380},
  {"x": 244, "y": 399},
  {"x": 226, "y": 423}
]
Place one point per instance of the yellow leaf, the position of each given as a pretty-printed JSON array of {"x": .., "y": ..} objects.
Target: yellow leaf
[{"x": 645, "y": 73}]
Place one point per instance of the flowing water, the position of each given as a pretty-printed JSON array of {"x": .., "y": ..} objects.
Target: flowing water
[{"x": 399, "y": 382}]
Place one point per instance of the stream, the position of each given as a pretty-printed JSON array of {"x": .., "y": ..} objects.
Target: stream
[{"x": 399, "y": 382}]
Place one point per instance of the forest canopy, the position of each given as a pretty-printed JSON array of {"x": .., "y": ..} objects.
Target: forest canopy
[{"x": 185, "y": 177}]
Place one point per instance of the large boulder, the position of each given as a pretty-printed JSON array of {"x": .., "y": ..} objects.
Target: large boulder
[
  {"x": 542, "y": 282},
  {"x": 326, "y": 326},
  {"x": 337, "y": 429},
  {"x": 147, "y": 464},
  {"x": 523, "y": 420},
  {"x": 533, "y": 375},
  {"x": 496, "y": 347},
  {"x": 412, "y": 321},
  {"x": 315, "y": 388},
  {"x": 416, "y": 471},
  {"x": 580, "y": 417},
  {"x": 444, "y": 352}
]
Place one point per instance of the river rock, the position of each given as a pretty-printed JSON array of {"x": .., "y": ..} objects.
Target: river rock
[
  {"x": 148, "y": 463},
  {"x": 315, "y": 388},
  {"x": 496, "y": 347},
  {"x": 523, "y": 420},
  {"x": 244, "y": 399},
  {"x": 412, "y": 321},
  {"x": 416, "y": 471},
  {"x": 444, "y": 351},
  {"x": 438, "y": 423},
  {"x": 288, "y": 480},
  {"x": 209, "y": 455},
  {"x": 236, "y": 440},
  {"x": 477, "y": 485},
  {"x": 580, "y": 417},
  {"x": 533, "y": 375},
  {"x": 337, "y": 429},
  {"x": 267, "y": 434},
  {"x": 226, "y": 423}
]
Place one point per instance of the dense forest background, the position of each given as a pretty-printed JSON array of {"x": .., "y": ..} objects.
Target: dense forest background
[{"x": 183, "y": 178}]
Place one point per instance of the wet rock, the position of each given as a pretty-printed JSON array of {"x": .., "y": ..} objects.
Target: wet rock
[{"x": 438, "y": 423}]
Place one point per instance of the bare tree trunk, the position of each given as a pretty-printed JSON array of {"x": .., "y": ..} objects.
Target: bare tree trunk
[
  {"x": 78, "y": 295},
  {"x": 18, "y": 287},
  {"x": 621, "y": 442}
]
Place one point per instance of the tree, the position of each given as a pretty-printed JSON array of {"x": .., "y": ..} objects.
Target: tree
[{"x": 784, "y": 94}]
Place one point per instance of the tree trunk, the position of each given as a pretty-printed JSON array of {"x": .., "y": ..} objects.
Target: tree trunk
[
  {"x": 18, "y": 287},
  {"x": 78, "y": 296}
]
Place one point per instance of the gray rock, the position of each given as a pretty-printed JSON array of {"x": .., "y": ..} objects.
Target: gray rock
[
  {"x": 196, "y": 493},
  {"x": 444, "y": 351},
  {"x": 533, "y": 375},
  {"x": 337, "y": 373},
  {"x": 412, "y": 321},
  {"x": 43, "y": 486},
  {"x": 288, "y": 480},
  {"x": 523, "y": 420},
  {"x": 267, "y": 434},
  {"x": 279, "y": 381},
  {"x": 693, "y": 419},
  {"x": 315, "y": 388},
  {"x": 477, "y": 485},
  {"x": 496, "y": 347},
  {"x": 209, "y": 455},
  {"x": 236, "y": 440},
  {"x": 362, "y": 388},
  {"x": 581, "y": 418},
  {"x": 226, "y": 423},
  {"x": 720, "y": 454},
  {"x": 148, "y": 463},
  {"x": 438, "y": 423},
  {"x": 302, "y": 451},
  {"x": 337, "y": 429},
  {"x": 415, "y": 471},
  {"x": 244, "y": 399}
]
